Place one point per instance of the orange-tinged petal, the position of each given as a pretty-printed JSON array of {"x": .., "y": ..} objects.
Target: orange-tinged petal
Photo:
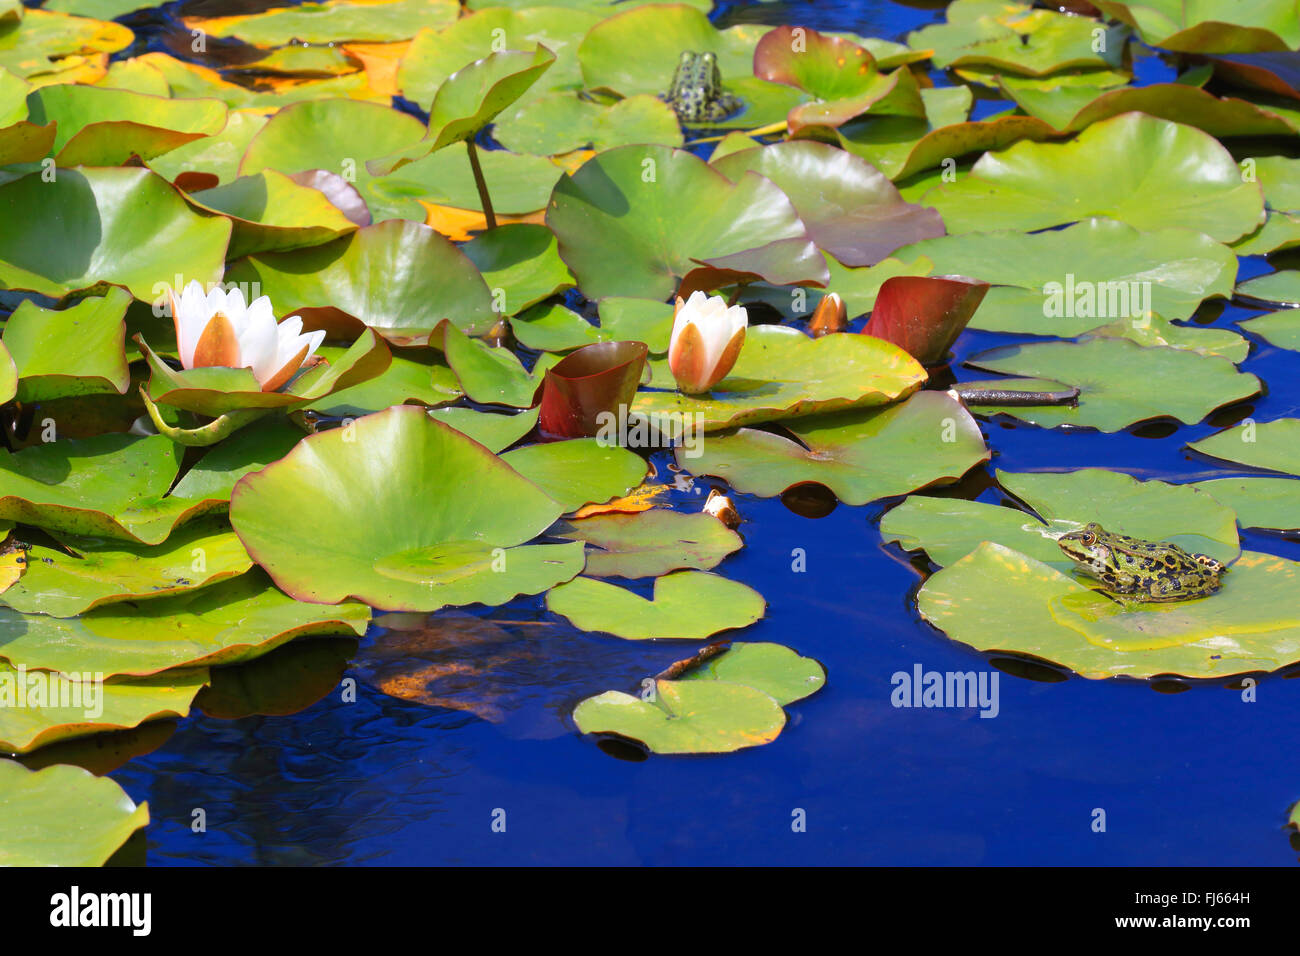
[
  {"x": 218, "y": 345},
  {"x": 728, "y": 358},
  {"x": 286, "y": 372},
  {"x": 688, "y": 360}
]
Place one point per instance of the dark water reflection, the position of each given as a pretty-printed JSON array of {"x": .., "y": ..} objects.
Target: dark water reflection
[{"x": 1187, "y": 778}]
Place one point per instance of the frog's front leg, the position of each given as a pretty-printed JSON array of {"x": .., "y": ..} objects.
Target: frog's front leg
[{"x": 1118, "y": 581}]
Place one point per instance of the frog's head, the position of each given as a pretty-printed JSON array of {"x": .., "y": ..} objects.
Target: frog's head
[
  {"x": 1087, "y": 546},
  {"x": 687, "y": 58}
]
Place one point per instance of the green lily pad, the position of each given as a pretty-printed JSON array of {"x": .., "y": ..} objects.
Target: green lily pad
[
  {"x": 472, "y": 97},
  {"x": 339, "y": 136},
  {"x": 236, "y": 620},
  {"x": 1211, "y": 26},
  {"x": 1274, "y": 446},
  {"x": 521, "y": 264},
  {"x": 376, "y": 21},
  {"x": 650, "y": 543},
  {"x": 145, "y": 234},
  {"x": 76, "y": 351},
  {"x": 488, "y": 374},
  {"x": 491, "y": 430},
  {"x": 686, "y": 717},
  {"x": 999, "y": 599},
  {"x": 561, "y": 122},
  {"x": 579, "y": 471},
  {"x": 120, "y": 705},
  {"x": 1272, "y": 503},
  {"x": 516, "y": 184},
  {"x": 1016, "y": 38},
  {"x": 1155, "y": 330},
  {"x": 1118, "y": 168},
  {"x": 1120, "y": 383},
  {"x": 1281, "y": 230},
  {"x": 104, "y": 127},
  {"x": 103, "y": 571},
  {"x": 219, "y": 154},
  {"x": 775, "y": 669},
  {"x": 949, "y": 528},
  {"x": 861, "y": 455},
  {"x": 550, "y": 327},
  {"x": 435, "y": 54},
  {"x": 782, "y": 373},
  {"x": 1102, "y": 269},
  {"x": 687, "y": 606},
  {"x": 1281, "y": 287},
  {"x": 271, "y": 212},
  {"x": 37, "y": 807},
  {"x": 859, "y": 287},
  {"x": 851, "y": 210},
  {"x": 418, "y": 375},
  {"x": 1277, "y": 328},
  {"x": 399, "y": 278},
  {"x": 637, "y": 320},
  {"x": 414, "y": 551},
  {"x": 620, "y": 224},
  {"x": 25, "y": 143}
]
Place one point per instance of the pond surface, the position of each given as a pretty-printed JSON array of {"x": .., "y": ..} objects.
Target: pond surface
[{"x": 1186, "y": 777}]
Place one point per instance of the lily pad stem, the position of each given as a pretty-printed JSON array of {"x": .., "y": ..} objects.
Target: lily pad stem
[
  {"x": 481, "y": 183},
  {"x": 209, "y": 434},
  {"x": 1012, "y": 397}
]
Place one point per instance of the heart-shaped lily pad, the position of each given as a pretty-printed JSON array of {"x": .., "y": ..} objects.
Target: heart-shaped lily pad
[
  {"x": 782, "y": 373},
  {"x": 775, "y": 669},
  {"x": 101, "y": 571},
  {"x": 852, "y": 211},
  {"x": 67, "y": 708},
  {"x": 414, "y": 551},
  {"x": 1120, "y": 383},
  {"x": 949, "y": 528},
  {"x": 861, "y": 455},
  {"x": 37, "y": 807},
  {"x": 687, "y": 606},
  {"x": 686, "y": 717},
  {"x": 621, "y": 229},
  {"x": 999, "y": 599},
  {"x": 1259, "y": 502},
  {"x": 1117, "y": 168},
  {"x": 226, "y": 623},
  {"x": 399, "y": 278},
  {"x": 76, "y": 351},
  {"x": 1274, "y": 446},
  {"x": 650, "y": 543},
  {"x": 145, "y": 234},
  {"x": 1067, "y": 281},
  {"x": 579, "y": 471}
]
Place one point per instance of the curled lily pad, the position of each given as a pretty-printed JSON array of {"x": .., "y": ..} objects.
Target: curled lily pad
[
  {"x": 925, "y": 314},
  {"x": 686, "y": 717},
  {"x": 99, "y": 571},
  {"x": 622, "y": 229},
  {"x": 473, "y": 96},
  {"x": 415, "y": 375},
  {"x": 860, "y": 455},
  {"x": 1067, "y": 281},
  {"x": 852, "y": 211},
  {"x": 236, "y": 620},
  {"x": 582, "y": 391},
  {"x": 413, "y": 552},
  {"x": 521, "y": 264},
  {"x": 144, "y": 234},
  {"x": 76, "y": 351},
  {"x": 1274, "y": 446},
  {"x": 38, "y": 806},
  {"x": 1259, "y": 502},
  {"x": 1215, "y": 26},
  {"x": 775, "y": 669},
  {"x": 1120, "y": 383},
  {"x": 67, "y": 708},
  {"x": 687, "y": 605},
  {"x": 1116, "y": 168},
  {"x": 491, "y": 375},
  {"x": 782, "y": 373},
  {"x": 579, "y": 471},
  {"x": 999, "y": 599},
  {"x": 948, "y": 528},
  {"x": 399, "y": 278},
  {"x": 650, "y": 543},
  {"x": 270, "y": 211}
]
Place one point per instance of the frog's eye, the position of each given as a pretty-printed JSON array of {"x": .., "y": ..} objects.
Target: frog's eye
[{"x": 1087, "y": 538}]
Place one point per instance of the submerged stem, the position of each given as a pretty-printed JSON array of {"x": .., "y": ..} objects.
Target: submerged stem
[{"x": 481, "y": 183}]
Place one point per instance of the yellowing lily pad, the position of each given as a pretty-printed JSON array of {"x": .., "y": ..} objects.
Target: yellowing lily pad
[
  {"x": 860, "y": 455},
  {"x": 38, "y": 806},
  {"x": 687, "y": 606},
  {"x": 336, "y": 20},
  {"x": 416, "y": 550}
]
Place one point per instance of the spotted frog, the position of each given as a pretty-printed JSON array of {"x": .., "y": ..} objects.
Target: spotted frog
[
  {"x": 1141, "y": 570},
  {"x": 696, "y": 93}
]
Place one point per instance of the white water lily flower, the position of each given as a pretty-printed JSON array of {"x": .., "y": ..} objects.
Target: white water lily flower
[
  {"x": 219, "y": 329},
  {"x": 707, "y": 336}
]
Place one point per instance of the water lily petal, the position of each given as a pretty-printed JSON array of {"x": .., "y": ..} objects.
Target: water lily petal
[{"x": 218, "y": 345}]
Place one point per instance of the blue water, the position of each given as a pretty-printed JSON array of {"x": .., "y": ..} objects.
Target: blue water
[{"x": 1184, "y": 778}]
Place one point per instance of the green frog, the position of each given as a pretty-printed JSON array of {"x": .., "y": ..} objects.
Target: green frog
[
  {"x": 696, "y": 93},
  {"x": 1142, "y": 570}
]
